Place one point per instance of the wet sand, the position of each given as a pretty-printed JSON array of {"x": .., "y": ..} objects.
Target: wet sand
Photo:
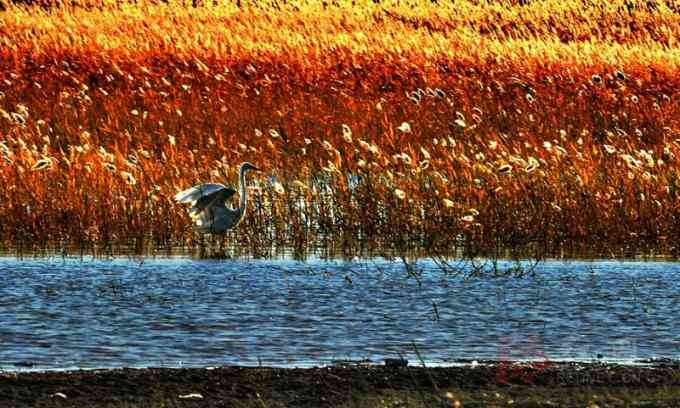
[{"x": 535, "y": 384}]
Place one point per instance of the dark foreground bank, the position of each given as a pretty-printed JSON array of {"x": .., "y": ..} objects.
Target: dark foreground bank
[{"x": 497, "y": 384}]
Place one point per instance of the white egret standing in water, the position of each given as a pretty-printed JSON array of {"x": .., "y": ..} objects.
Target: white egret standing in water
[{"x": 209, "y": 209}]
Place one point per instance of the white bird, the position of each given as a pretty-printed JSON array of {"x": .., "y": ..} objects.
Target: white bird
[{"x": 209, "y": 209}]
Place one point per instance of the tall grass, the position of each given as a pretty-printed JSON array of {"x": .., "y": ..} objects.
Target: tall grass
[{"x": 489, "y": 128}]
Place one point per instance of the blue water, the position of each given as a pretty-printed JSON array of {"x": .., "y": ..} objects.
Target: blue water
[{"x": 62, "y": 314}]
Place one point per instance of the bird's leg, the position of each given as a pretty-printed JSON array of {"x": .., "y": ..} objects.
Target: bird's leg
[
  {"x": 230, "y": 248},
  {"x": 201, "y": 246},
  {"x": 221, "y": 248}
]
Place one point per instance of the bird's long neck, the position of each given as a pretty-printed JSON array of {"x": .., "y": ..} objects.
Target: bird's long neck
[{"x": 243, "y": 202}]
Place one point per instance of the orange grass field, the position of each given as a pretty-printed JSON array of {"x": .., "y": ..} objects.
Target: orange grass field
[{"x": 476, "y": 127}]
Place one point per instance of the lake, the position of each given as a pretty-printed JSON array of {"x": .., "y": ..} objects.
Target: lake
[{"x": 179, "y": 312}]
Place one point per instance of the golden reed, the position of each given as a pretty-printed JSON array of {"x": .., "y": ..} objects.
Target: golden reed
[{"x": 476, "y": 126}]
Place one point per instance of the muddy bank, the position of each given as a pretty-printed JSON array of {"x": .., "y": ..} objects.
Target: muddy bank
[{"x": 349, "y": 385}]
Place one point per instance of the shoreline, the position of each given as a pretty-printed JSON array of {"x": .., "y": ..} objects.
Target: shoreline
[
  {"x": 526, "y": 383},
  {"x": 23, "y": 367}
]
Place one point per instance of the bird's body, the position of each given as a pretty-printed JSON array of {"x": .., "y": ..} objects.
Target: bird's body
[{"x": 209, "y": 209}]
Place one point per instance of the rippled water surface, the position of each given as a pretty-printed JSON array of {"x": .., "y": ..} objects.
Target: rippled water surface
[{"x": 57, "y": 313}]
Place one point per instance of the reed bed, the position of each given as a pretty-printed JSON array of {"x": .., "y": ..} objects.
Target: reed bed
[{"x": 479, "y": 128}]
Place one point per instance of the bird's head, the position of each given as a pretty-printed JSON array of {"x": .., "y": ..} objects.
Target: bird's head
[{"x": 247, "y": 166}]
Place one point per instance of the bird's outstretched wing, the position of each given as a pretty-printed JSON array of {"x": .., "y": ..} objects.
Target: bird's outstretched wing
[
  {"x": 204, "y": 196},
  {"x": 196, "y": 192}
]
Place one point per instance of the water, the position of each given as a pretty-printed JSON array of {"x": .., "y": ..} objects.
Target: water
[{"x": 63, "y": 314}]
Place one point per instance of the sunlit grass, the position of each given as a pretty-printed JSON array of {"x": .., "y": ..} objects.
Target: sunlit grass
[{"x": 486, "y": 128}]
